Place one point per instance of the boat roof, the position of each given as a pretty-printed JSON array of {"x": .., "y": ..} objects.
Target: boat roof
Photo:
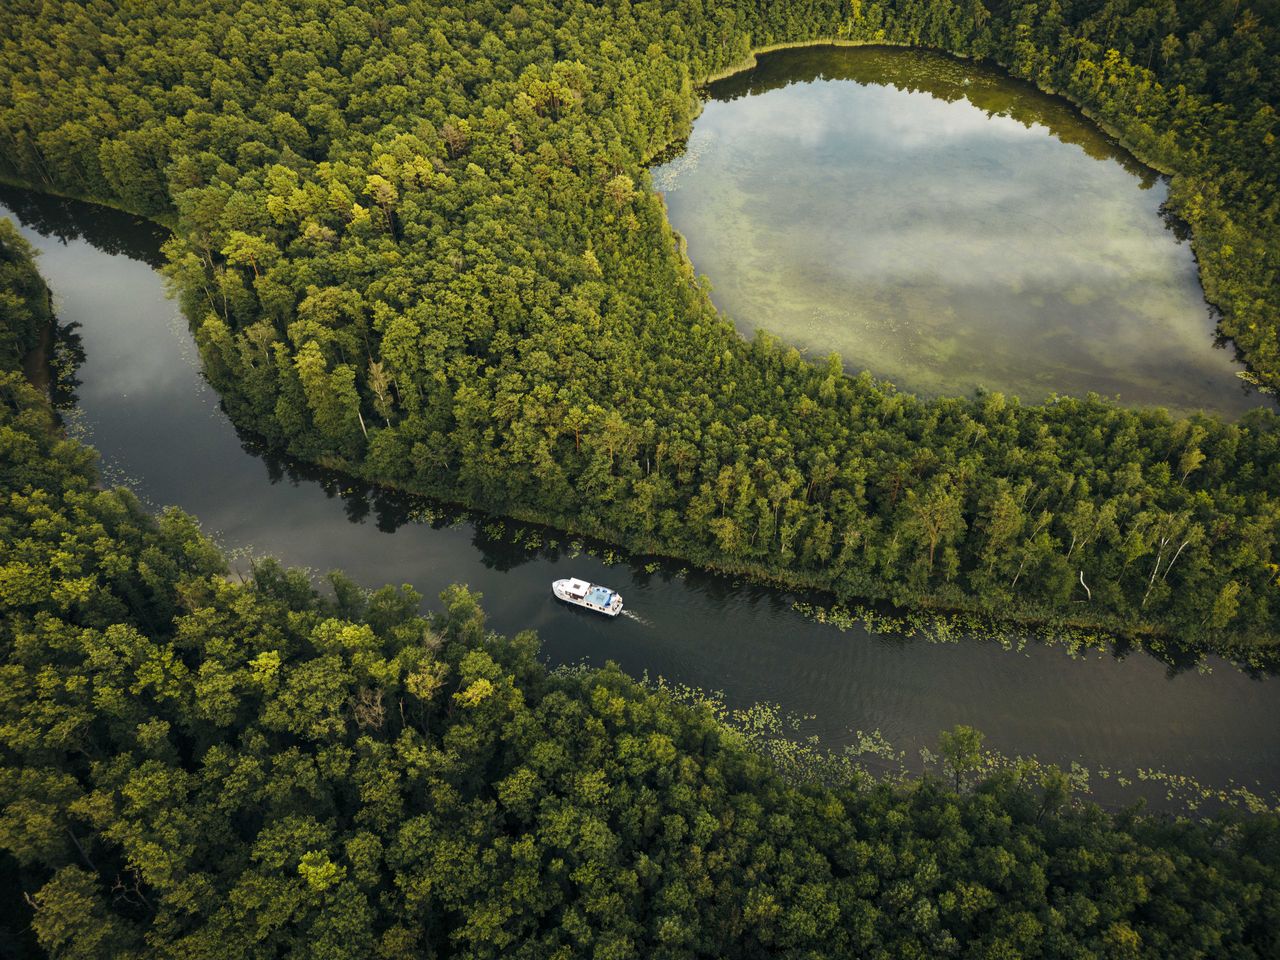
[{"x": 577, "y": 586}]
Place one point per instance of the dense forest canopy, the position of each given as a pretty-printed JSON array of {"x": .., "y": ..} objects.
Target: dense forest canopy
[
  {"x": 25, "y": 311},
  {"x": 196, "y": 765},
  {"x": 418, "y": 242}
]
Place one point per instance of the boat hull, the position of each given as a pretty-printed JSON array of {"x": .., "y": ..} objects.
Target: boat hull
[{"x": 588, "y": 596}]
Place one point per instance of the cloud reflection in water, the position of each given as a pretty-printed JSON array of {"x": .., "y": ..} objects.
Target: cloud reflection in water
[{"x": 940, "y": 242}]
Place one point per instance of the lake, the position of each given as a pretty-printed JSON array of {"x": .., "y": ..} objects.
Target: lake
[
  {"x": 946, "y": 228},
  {"x": 144, "y": 404}
]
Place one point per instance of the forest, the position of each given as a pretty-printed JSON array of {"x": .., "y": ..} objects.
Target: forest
[
  {"x": 25, "y": 311},
  {"x": 204, "y": 765},
  {"x": 418, "y": 243}
]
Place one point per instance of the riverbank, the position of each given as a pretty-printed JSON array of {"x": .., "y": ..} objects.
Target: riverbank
[
  {"x": 930, "y": 619},
  {"x": 750, "y": 61},
  {"x": 168, "y": 221},
  {"x": 932, "y": 622},
  {"x": 37, "y": 365}
]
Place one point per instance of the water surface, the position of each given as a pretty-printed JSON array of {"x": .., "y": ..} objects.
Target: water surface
[
  {"x": 947, "y": 228},
  {"x": 144, "y": 404}
]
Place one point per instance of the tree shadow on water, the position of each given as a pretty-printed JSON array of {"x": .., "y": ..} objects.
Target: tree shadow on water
[{"x": 109, "y": 230}]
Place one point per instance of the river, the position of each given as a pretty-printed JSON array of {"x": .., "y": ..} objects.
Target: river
[{"x": 144, "y": 404}]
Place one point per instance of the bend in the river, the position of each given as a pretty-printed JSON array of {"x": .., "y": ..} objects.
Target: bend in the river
[{"x": 159, "y": 428}]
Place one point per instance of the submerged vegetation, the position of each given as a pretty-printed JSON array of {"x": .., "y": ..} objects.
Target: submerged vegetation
[
  {"x": 418, "y": 242},
  {"x": 197, "y": 765}
]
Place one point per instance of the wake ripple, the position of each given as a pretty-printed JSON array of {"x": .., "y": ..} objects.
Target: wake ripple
[{"x": 632, "y": 615}]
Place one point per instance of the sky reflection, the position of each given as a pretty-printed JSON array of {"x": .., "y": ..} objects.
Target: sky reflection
[{"x": 945, "y": 228}]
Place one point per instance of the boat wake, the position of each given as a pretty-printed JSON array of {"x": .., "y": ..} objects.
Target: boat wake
[{"x": 632, "y": 615}]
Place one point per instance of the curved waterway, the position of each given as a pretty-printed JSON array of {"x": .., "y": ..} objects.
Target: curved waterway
[
  {"x": 143, "y": 403},
  {"x": 947, "y": 228}
]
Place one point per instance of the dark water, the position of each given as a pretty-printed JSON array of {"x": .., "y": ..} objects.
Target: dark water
[
  {"x": 947, "y": 228},
  {"x": 145, "y": 406}
]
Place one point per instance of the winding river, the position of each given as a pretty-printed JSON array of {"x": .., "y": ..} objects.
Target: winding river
[
  {"x": 143, "y": 403},
  {"x": 947, "y": 228}
]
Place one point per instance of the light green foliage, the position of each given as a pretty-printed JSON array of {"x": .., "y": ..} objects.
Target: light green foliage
[
  {"x": 196, "y": 767},
  {"x": 961, "y": 749}
]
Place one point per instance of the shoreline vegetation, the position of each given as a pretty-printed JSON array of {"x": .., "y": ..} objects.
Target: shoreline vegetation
[
  {"x": 196, "y": 765},
  {"x": 37, "y": 363},
  {"x": 169, "y": 222},
  {"x": 26, "y": 310},
  {"x": 751, "y": 61}
]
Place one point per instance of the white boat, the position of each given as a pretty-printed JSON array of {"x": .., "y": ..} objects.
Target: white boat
[{"x": 589, "y": 595}]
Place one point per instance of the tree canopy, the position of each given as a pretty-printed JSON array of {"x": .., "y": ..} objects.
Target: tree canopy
[{"x": 25, "y": 312}]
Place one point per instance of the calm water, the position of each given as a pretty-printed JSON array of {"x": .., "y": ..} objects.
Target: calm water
[
  {"x": 946, "y": 228},
  {"x": 144, "y": 405}
]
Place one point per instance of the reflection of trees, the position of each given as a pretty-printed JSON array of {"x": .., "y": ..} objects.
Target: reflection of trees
[
  {"x": 1175, "y": 224},
  {"x": 64, "y": 363},
  {"x": 1182, "y": 231},
  {"x": 391, "y": 509},
  {"x": 111, "y": 231},
  {"x": 1174, "y": 661},
  {"x": 940, "y": 76}
]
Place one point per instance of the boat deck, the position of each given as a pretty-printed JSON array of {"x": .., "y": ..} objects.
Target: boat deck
[{"x": 600, "y": 595}]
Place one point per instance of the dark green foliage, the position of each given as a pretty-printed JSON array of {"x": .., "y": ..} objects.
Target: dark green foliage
[
  {"x": 417, "y": 242},
  {"x": 25, "y": 315},
  {"x": 194, "y": 765}
]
